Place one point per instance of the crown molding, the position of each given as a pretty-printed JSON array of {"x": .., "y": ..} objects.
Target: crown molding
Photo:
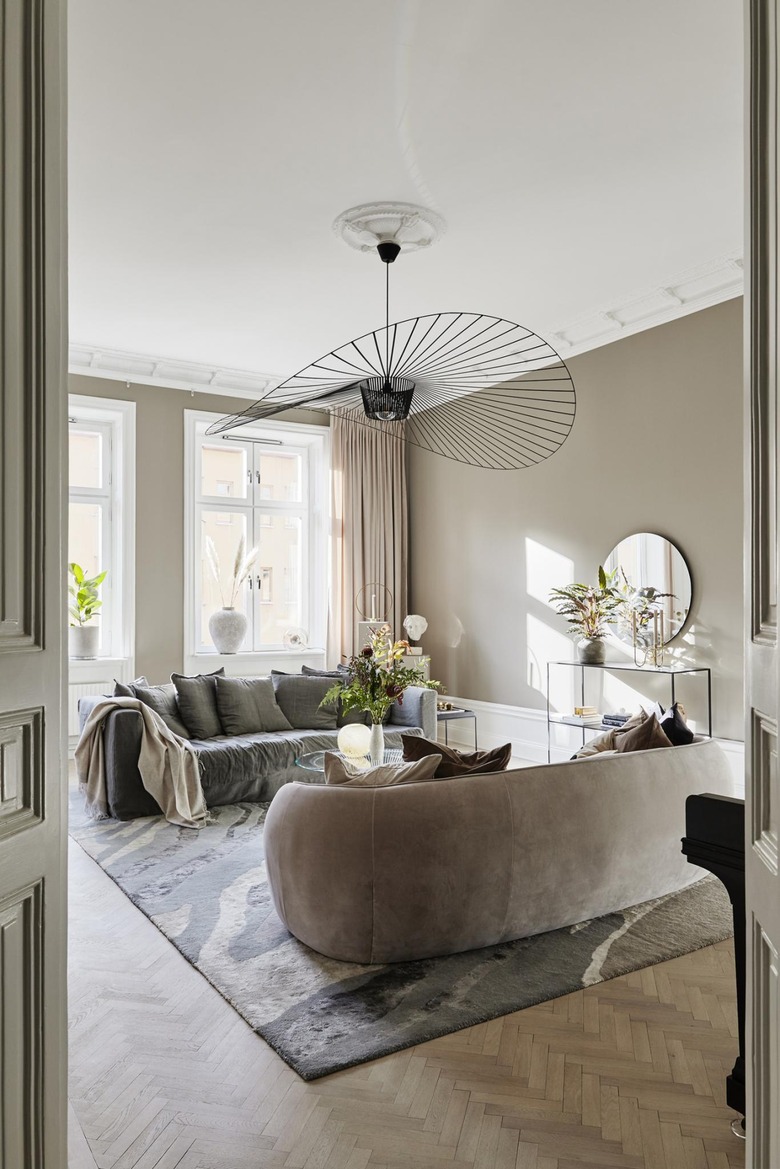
[
  {"x": 691, "y": 290},
  {"x": 688, "y": 292},
  {"x": 145, "y": 370}
]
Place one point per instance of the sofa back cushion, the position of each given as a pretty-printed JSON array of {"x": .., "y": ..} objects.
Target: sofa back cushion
[
  {"x": 197, "y": 699},
  {"x": 162, "y": 700},
  {"x": 340, "y": 674},
  {"x": 300, "y": 695},
  {"x": 453, "y": 763},
  {"x": 248, "y": 705}
]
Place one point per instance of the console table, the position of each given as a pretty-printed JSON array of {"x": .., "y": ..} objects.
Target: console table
[{"x": 671, "y": 671}]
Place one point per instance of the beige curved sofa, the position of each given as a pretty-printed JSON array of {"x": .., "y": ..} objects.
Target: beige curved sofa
[{"x": 418, "y": 870}]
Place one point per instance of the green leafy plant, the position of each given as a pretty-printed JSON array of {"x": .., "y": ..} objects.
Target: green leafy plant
[
  {"x": 378, "y": 677},
  {"x": 84, "y": 592},
  {"x": 639, "y": 605},
  {"x": 589, "y": 609},
  {"x": 241, "y": 567}
]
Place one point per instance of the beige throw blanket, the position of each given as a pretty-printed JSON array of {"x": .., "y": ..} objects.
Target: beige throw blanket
[{"x": 168, "y": 766}]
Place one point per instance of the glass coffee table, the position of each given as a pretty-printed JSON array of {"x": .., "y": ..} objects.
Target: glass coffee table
[{"x": 315, "y": 760}]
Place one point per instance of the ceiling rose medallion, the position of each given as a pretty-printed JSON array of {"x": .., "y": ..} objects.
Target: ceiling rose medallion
[{"x": 463, "y": 385}]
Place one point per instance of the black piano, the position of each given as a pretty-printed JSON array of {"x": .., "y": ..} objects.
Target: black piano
[{"x": 715, "y": 840}]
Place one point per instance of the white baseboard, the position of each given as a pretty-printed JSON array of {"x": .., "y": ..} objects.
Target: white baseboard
[{"x": 526, "y": 729}]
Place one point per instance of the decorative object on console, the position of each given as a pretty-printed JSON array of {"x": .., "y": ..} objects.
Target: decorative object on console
[
  {"x": 655, "y": 583},
  {"x": 415, "y": 626},
  {"x": 228, "y": 626},
  {"x": 84, "y": 632},
  {"x": 588, "y": 610},
  {"x": 467, "y": 386},
  {"x": 373, "y": 604},
  {"x": 377, "y": 679}
]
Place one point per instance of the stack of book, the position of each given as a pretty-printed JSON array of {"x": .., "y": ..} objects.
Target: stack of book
[
  {"x": 609, "y": 721},
  {"x": 584, "y": 715}
]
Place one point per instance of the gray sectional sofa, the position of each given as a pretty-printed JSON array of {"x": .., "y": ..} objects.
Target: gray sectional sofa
[{"x": 236, "y": 768}]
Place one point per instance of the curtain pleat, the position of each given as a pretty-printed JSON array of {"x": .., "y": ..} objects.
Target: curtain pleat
[{"x": 370, "y": 532}]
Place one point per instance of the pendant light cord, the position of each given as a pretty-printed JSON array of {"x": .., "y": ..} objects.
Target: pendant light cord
[{"x": 387, "y": 320}]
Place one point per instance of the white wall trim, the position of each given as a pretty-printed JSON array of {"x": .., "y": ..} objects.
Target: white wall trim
[
  {"x": 526, "y": 729},
  {"x": 686, "y": 292},
  {"x": 172, "y": 373}
]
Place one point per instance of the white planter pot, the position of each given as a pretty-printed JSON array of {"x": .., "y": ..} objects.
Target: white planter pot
[
  {"x": 228, "y": 630},
  {"x": 83, "y": 641},
  {"x": 376, "y": 744}
]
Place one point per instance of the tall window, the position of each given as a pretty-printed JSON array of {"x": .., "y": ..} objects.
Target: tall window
[
  {"x": 266, "y": 485},
  {"x": 101, "y": 441}
]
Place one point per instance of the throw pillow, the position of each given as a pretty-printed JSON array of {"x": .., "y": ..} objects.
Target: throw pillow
[
  {"x": 645, "y": 737},
  {"x": 197, "y": 699},
  {"x": 125, "y": 689},
  {"x": 453, "y": 763},
  {"x": 299, "y": 696},
  {"x": 248, "y": 705},
  {"x": 340, "y": 674},
  {"x": 162, "y": 700},
  {"x": 608, "y": 741},
  {"x": 675, "y": 727},
  {"x": 338, "y": 771}
]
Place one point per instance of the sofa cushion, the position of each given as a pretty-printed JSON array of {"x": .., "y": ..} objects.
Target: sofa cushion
[
  {"x": 645, "y": 737},
  {"x": 675, "y": 727},
  {"x": 248, "y": 705},
  {"x": 162, "y": 700},
  {"x": 453, "y": 763},
  {"x": 197, "y": 699},
  {"x": 340, "y": 674},
  {"x": 339, "y": 771},
  {"x": 608, "y": 741},
  {"x": 300, "y": 695},
  {"x": 125, "y": 689}
]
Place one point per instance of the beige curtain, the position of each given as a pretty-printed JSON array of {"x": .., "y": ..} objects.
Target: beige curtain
[{"x": 370, "y": 526}]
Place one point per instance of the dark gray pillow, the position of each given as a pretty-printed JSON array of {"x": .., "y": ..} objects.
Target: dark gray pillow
[
  {"x": 300, "y": 695},
  {"x": 247, "y": 705},
  {"x": 162, "y": 699},
  {"x": 340, "y": 674},
  {"x": 125, "y": 689},
  {"x": 197, "y": 699}
]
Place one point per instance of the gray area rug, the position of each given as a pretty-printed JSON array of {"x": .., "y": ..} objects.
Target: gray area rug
[{"x": 207, "y": 892}]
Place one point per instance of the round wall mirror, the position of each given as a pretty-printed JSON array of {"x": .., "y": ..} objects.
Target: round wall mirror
[{"x": 653, "y": 575}]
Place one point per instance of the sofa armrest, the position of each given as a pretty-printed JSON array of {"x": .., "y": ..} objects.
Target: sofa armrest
[
  {"x": 127, "y": 796},
  {"x": 417, "y": 710}
]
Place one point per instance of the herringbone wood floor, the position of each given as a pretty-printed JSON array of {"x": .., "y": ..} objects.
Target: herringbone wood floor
[{"x": 165, "y": 1075}]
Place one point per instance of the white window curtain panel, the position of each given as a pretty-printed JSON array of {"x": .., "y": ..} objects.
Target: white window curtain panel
[{"x": 370, "y": 537}]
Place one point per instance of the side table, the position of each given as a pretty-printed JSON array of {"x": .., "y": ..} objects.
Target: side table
[{"x": 446, "y": 716}]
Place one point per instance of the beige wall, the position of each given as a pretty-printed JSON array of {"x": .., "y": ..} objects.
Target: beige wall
[
  {"x": 159, "y": 546},
  {"x": 656, "y": 446}
]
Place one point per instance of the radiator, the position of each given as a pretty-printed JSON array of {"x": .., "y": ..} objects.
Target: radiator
[{"x": 80, "y": 690}]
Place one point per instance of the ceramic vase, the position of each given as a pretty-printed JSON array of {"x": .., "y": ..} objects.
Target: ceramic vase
[
  {"x": 228, "y": 629},
  {"x": 591, "y": 651},
  {"x": 83, "y": 641},
  {"x": 376, "y": 744}
]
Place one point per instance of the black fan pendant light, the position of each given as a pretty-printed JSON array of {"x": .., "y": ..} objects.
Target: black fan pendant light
[{"x": 467, "y": 386}]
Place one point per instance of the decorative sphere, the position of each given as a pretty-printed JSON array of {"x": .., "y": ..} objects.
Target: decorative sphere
[{"x": 353, "y": 740}]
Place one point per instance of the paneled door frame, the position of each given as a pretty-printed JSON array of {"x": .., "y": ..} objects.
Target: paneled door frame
[
  {"x": 32, "y": 677},
  {"x": 761, "y": 557}
]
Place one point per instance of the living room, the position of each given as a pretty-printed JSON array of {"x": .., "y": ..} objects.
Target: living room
[{"x": 387, "y": 323}]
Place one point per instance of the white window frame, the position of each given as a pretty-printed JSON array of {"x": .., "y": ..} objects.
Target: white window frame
[
  {"x": 314, "y": 443},
  {"x": 115, "y": 419}
]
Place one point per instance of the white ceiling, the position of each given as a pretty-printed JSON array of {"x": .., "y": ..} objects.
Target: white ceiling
[{"x": 580, "y": 151}]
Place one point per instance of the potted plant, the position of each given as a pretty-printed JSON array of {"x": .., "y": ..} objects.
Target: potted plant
[
  {"x": 84, "y": 633},
  {"x": 378, "y": 678},
  {"x": 228, "y": 625},
  {"x": 589, "y": 611}
]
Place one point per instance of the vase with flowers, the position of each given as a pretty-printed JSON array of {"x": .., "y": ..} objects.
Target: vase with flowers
[
  {"x": 377, "y": 679},
  {"x": 228, "y": 625}
]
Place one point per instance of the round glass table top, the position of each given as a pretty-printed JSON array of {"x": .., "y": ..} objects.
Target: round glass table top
[{"x": 315, "y": 760}]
